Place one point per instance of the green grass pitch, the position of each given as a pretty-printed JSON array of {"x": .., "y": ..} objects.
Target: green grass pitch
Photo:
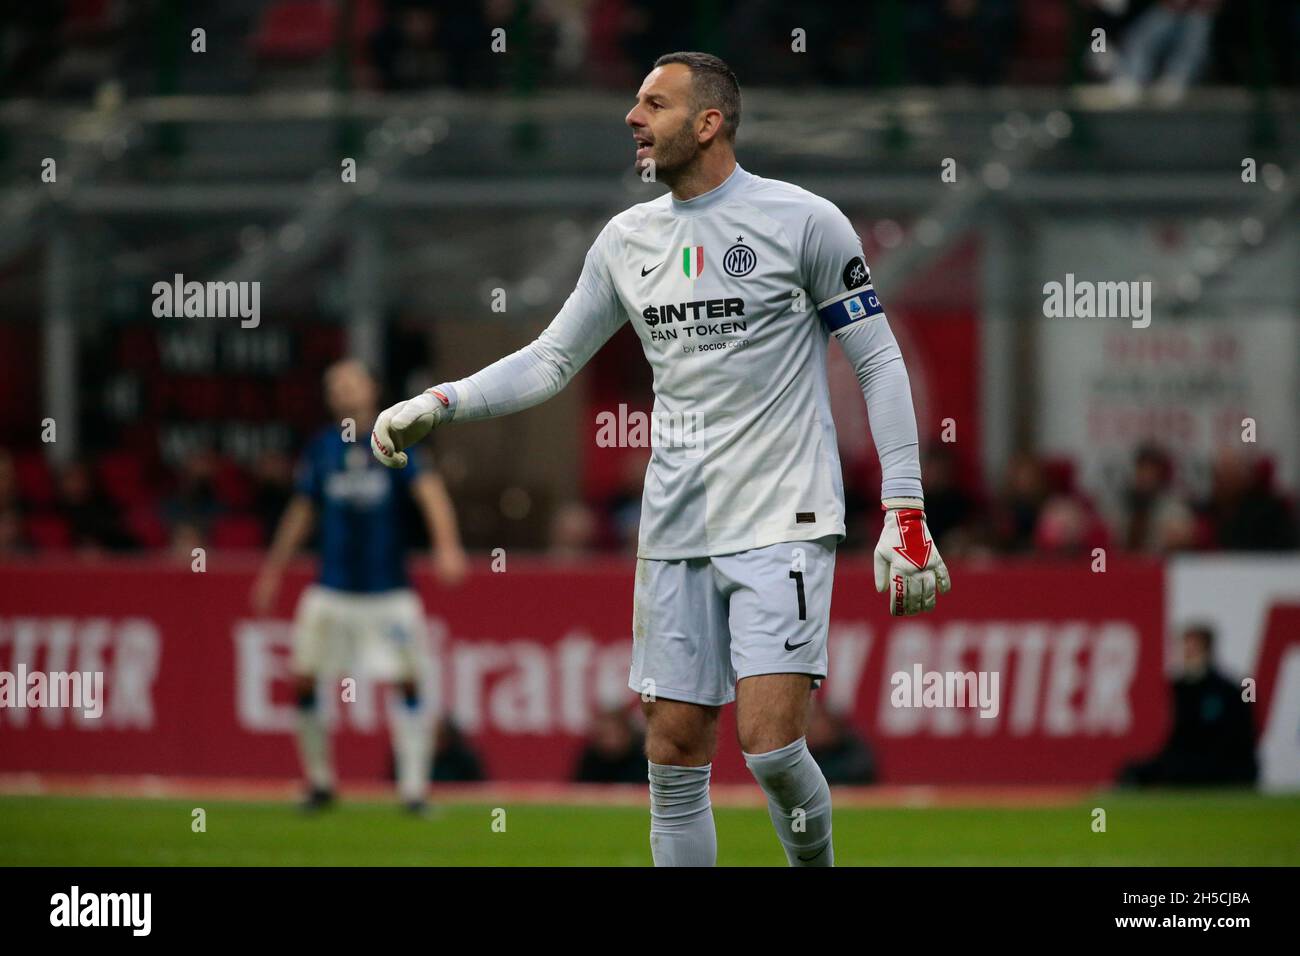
[{"x": 1161, "y": 829}]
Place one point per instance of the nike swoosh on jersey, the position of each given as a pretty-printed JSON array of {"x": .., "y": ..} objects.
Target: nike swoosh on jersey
[
  {"x": 645, "y": 272},
  {"x": 795, "y": 647}
]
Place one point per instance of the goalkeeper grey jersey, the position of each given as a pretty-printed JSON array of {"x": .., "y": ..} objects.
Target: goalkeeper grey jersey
[{"x": 734, "y": 295}]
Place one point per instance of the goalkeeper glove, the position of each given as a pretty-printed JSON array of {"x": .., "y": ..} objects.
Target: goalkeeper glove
[
  {"x": 907, "y": 561},
  {"x": 405, "y": 423}
]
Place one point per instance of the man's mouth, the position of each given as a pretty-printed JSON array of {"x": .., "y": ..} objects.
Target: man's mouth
[{"x": 643, "y": 146}]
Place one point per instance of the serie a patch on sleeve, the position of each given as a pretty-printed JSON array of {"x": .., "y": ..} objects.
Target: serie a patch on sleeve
[{"x": 850, "y": 307}]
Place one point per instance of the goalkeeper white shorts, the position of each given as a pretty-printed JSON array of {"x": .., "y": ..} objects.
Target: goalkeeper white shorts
[
  {"x": 701, "y": 624},
  {"x": 342, "y": 633}
]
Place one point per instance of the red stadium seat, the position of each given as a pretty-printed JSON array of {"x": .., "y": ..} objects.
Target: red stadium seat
[
  {"x": 48, "y": 532},
  {"x": 295, "y": 30},
  {"x": 237, "y": 531},
  {"x": 1096, "y": 533},
  {"x": 1043, "y": 43},
  {"x": 35, "y": 479},
  {"x": 232, "y": 486},
  {"x": 87, "y": 16},
  {"x": 1058, "y": 474},
  {"x": 143, "y": 524},
  {"x": 122, "y": 477}
]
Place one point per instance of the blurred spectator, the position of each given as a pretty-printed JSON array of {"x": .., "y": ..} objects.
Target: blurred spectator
[
  {"x": 8, "y": 481},
  {"x": 1038, "y": 511},
  {"x": 838, "y": 749},
  {"x": 454, "y": 760},
  {"x": 646, "y": 29},
  {"x": 1021, "y": 501},
  {"x": 1156, "y": 520},
  {"x": 32, "y": 44},
  {"x": 1111, "y": 17},
  {"x": 623, "y": 507},
  {"x": 1068, "y": 523},
  {"x": 1243, "y": 511},
  {"x": 405, "y": 45},
  {"x": 273, "y": 487},
  {"x": 1062, "y": 528},
  {"x": 69, "y": 49},
  {"x": 1212, "y": 741},
  {"x": 573, "y": 531},
  {"x": 960, "y": 40},
  {"x": 948, "y": 508},
  {"x": 185, "y": 537},
  {"x": 194, "y": 500},
  {"x": 422, "y": 43},
  {"x": 1176, "y": 32},
  {"x": 614, "y": 751},
  {"x": 92, "y": 519},
  {"x": 12, "y": 540}
]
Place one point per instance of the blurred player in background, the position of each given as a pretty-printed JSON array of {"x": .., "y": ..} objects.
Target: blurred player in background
[
  {"x": 734, "y": 285},
  {"x": 362, "y": 606}
]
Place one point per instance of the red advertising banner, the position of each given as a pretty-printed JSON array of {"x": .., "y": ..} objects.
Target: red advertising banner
[{"x": 195, "y": 685}]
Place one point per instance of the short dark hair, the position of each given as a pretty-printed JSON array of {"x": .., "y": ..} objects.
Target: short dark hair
[{"x": 713, "y": 86}]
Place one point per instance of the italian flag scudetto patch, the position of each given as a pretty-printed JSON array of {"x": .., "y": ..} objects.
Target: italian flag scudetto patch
[{"x": 692, "y": 260}]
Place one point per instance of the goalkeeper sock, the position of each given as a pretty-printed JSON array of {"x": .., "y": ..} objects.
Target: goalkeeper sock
[
  {"x": 798, "y": 801},
  {"x": 412, "y": 747},
  {"x": 314, "y": 744},
  {"x": 681, "y": 817}
]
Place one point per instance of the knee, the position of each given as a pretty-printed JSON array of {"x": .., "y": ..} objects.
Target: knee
[
  {"x": 676, "y": 751},
  {"x": 680, "y": 740},
  {"x": 761, "y": 739}
]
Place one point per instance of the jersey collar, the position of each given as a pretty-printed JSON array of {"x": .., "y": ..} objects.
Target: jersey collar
[{"x": 711, "y": 199}]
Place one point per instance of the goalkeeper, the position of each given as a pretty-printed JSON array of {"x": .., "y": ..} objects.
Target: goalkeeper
[{"x": 734, "y": 285}]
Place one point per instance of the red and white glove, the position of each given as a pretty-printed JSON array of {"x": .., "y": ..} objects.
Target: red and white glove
[
  {"x": 402, "y": 425},
  {"x": 907, "y": 561}
]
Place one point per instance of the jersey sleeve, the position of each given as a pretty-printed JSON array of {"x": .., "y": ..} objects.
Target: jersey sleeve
[
  {"x": 540, "y": 369},
  {"x": 835, "y": 271},
  {"x": 840, "y": 283}
]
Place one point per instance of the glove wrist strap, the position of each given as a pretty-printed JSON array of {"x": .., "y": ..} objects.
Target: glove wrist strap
[
  {"x": 893, "y": 504},
  {"x": 445, "y": 397}
]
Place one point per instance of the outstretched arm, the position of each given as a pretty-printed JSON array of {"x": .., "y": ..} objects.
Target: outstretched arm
[
  {"x": 522, "y": 379},
  {"x": 540, "y": 369}
]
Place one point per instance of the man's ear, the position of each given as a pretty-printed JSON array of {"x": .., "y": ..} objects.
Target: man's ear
[{"x": 708, "y": 126}]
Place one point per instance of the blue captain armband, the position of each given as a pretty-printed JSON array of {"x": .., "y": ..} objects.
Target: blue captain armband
[{"x": 849, "y": 307}]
